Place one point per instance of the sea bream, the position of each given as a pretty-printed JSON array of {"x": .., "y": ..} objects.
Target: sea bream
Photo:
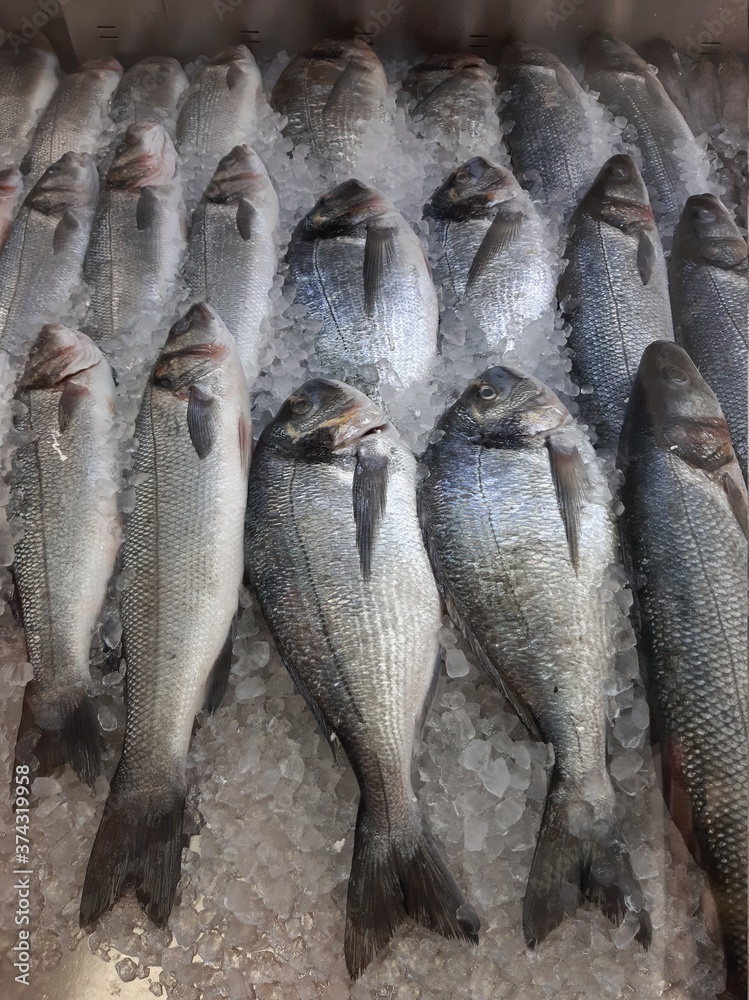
[
  {"x": 76, "y": 116},
  {"x": 361, "y": 271},
  {"x": 709, "y": 285},
  {"x": 330, "y": 95},
  {"x": 41, "y": 264},
  {"x": 613, "y": 293},
  {"x": 684, "y": 529},
  {"x": 518, "y": 523},
  {"x": 64, "y": 485},
  {"x": 335, "y": 555},
  {"x": 183, "y": 553},
  {"x": 495, "y": 259},
  {"x": 232, "y": 256}
]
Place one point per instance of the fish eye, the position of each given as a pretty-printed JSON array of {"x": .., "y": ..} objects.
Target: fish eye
[
  {"x": 164, "y": 382},
  {"x": 462, "y": 176},
  {"x": 706, "y": 215},
  {"x": 182, "y": 325},
  {"x": 487, "y": 392},
  {"x": 299, "y": 405},
  {"x": 619, "y": 172},
  {"x": 672, "y": 373}
]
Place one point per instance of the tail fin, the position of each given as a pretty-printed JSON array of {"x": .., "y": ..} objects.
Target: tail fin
[
  {"x": 139, "y": 841},
  {"x": 590, "y": 863},
  {"x": 397, "y": 875},
  {"x": 76, "y": 743}
]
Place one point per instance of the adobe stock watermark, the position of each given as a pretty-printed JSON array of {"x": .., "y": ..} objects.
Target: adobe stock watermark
[
  {"x": 379, "y": 19},
  {"x": 562, "y": 11},
  {"x": 30, "y": 27},
  {"x": 715, "y": 26}
]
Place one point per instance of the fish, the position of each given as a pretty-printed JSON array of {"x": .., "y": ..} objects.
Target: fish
[
  {"x": 457, "y": 94},
  {"x": 76, "y": 116},
  {"x": 672, "y": 69},
  {"x": 221, "y": 107},
  {"x": 495, "y": 256},
  {"x": 684, "y": 530},
  {"x": 334, "y": 553},
  {"x": 232, "y": 256},
  {"x": 362, "y": 272},
  {"x": 11, "y": 193},
  {"x": 732, "y": 80},
  {"x": 28, "y": 79},
  {"x": 63, "y": 492},
  {"x": 138, "y": 236},
  {"x": 330, "y": 96},
  {"x": 42, "y": 262},
  {"x": 551, "y": 140},
  {"x": 703, "y": 91},
  {"x": 518, "y": 523},
  {"x": 150, "y": 91},
  {"x": 183, "y": 552},
  {"x": 629, "y": 88},
  {"x": 708, "y": 272},
  {"x": 613, "y": 292}
]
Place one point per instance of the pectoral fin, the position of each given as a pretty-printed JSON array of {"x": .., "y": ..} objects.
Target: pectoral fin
[
  {"x": 202, "y": 416},
  {"x": 245, "y": 219},
  {"x": 146, "y": 209},
  {"x": 570, "y": 483},
  {"x": 70, "y": 397},
  {"x": 370, "y": 498},
  {"x": 645, "y": 257},
  {"x": 500, "y": 234},
  {"x": 65, "y": 231},
  {"x": 737, "y": 499},
  {"x": 379, "y": 254}
]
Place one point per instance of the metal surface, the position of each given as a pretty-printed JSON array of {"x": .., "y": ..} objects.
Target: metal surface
[{"x": 83, "y": 29}]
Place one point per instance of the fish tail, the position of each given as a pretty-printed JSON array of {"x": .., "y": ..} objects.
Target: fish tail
[
  {"x": 75, "y": 743},
  {"x": 139, "y": 842},
  {"x": 580, "y": 854},
  {"x": 394, "y": 875}
]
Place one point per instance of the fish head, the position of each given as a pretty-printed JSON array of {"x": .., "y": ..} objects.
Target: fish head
[
  {"x": 604, "y": 52},
  {"x": 347, "y": 50},
  {"x": 146, "y": 157},
  {"x": 102, "y": 68},
  {"x": 198, "y": 345},
  {"x": 680, "y": 408},
  {"x": 57, "y": 355},
  {"x": 324, "y": 417},
  {"x": 619, "y": 197},
  {"x": 504, "y": 408},
  {"x": 342, "y": 209},
  {"x": 240, "y": 174},
  {"x": 234, "y": 54},
  {"x": 473, "y": 191},
  {"x": 11, "y": 183},
  {"x": 69, "y": 183},
  {"x": 517, "y": 53},
  {"x": 707, "y": 233}
]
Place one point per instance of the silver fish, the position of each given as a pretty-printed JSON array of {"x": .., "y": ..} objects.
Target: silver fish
[
  {"x": 629, "y": 88},
  {"x": 11, "y": 192},
  {"x": 183, "y": 548},
  {"x": 42, "y": 261},
  {"x": 64, "y": 493},
  {"x": 329, "y": 95},
  {"x": 220, "y": 111},
  {"x": 138, "y": 236},
  {"x": 28, "y": 79},
  {"x": 708, "y": 274},
  {"x": 551, "y": 139},
  {"x": 684, "y": 528},
  {"x": 495, "y": 257},
  {"x": 333, "y": 486},
  {"x": 76, "y": 117},
  {"x": 457, "y": 94},
  {"x": 232, "y": 257},
  {"x": 150, "y": 91},
  {"x": 703, "y": 91},
  {"x": 518, "y": 524},
  {"x": 361, "y": 270},
  {"x": 614, "y": 293}
]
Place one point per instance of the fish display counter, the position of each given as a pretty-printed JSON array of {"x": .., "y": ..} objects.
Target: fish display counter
[{"x": 373, "y": 520}]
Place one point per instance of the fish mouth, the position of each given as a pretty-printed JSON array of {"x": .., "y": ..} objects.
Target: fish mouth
[
  {"x": 354, "y": 423},
  {"x": 544, "y": 413}
]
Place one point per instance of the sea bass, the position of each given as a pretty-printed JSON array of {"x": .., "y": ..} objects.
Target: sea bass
[
  {"x": 183, "y": 550},
  {"x": 684, "y": 528},
  {"x": 232, "y": 257},
  {"x": 629, "y": 88},
  {"x": 613, "y": 292},
  {"x": 28, "y": 79},
  {"x": 11, "y": 192},
  {"x": 150, "y": 92},
  {"x": 495, "y": 257},
  {"x": 334, "y": 552},
  {"x": 42, "y": 262},
  {"x": 64, "y": 493},
  {"x": 457, "y": 94},
  {"x": 138, "y": 236},
  {"x": 76, "y": 117},
  {"x": 552, "y": 135},
  {"x": 330, "y": 95},
  {"x": 518, "y": 523},
  {"x": 708, "y": 280},
  {"x": 361, "y": 270}
]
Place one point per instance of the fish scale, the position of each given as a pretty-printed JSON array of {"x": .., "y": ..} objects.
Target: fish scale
[{"x": 28, "y": 80}]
